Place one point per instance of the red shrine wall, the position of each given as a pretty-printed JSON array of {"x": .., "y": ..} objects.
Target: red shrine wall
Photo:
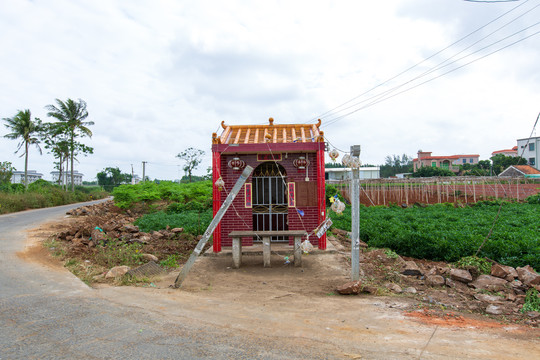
[{"x": 239, "y": 217}]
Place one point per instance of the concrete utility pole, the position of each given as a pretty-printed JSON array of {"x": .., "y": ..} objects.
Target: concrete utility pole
[
  {"x": 213, "y": 224},
  {"x": 143, "y": 169},
  {"x": 355, "y": 213}
]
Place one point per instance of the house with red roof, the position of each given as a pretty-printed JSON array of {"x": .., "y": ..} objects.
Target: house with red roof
[
  {"x": 506, "y": 152},
  {"x": 448, "y": 162},
  {"x": 521, "y": 171}
]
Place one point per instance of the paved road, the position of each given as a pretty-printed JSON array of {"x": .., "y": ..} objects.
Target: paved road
[
  {"x": 49, "y": 314},
  {"x": 52, "y": 315}
]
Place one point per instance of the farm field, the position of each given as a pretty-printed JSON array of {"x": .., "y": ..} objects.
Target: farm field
[{"x": 447, "y": 233}]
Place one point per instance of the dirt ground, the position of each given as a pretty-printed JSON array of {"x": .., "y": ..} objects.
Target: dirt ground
[{"x": 301, "y": 305}]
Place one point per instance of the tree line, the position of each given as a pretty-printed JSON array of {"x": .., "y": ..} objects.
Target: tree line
[
  {"x": 58, "y": 137},
  {"x": 396, "y": 164}
]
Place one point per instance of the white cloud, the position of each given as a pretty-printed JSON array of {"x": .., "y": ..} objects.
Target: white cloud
[{"x": 160, "y": 77}]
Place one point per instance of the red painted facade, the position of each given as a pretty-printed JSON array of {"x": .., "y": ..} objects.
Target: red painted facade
[{"x": 239, "y": 216}]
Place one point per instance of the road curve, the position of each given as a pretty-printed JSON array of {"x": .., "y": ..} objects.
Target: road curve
[{"x": 48, "y": 314}]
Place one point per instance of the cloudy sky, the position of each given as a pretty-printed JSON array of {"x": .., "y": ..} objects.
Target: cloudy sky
[{"x": 160, "y": 76}]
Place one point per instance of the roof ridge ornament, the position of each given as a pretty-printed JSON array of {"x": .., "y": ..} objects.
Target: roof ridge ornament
[{"x": 271, "y": 121}]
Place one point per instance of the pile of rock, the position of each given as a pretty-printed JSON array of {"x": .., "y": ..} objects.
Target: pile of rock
[
  {"x": 105, "y": 221},
  {"x": 502, "y": 292}
]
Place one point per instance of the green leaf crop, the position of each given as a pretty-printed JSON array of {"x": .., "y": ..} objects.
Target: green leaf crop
[{"x": 440, "y": 232}]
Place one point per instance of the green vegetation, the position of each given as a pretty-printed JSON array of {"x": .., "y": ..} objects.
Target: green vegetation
[
  {"x": 110, "y": 178},
  {"x": 532, "y": 301},
  {"x": 115, "y": 252},
  {"x": 396, "y": 165},
  {"x": 482, "y": 168},
  {"x": 442, "y": 232},
  {"x": 172, "y": 261},
  {"x": 193, "y": 196},
  {"x": 429, "y": 171},
  {"x": 192, "y": 158},
  {"x": 482, "y": 265},
  {"x": 181, "y": 205},
  {"x": 534, "y": 199},
  {"x": 193, "y": 222},
  {"x": 501, "y": 162},
  {"x": 331, "y": 191},
  {"x": 6, "y": 171},
  {"x": 41, "y": 193},
  {"x": 24, "y": 128},
  {"x": 71, "y": 116}
]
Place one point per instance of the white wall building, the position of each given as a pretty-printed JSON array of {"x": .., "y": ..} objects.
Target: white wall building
[
  {"x": 18, "y": 177},
  {"x": 77, "y": 177},
  {"x": 529, "y": 148},
  {"x": 341, "y": 174}
]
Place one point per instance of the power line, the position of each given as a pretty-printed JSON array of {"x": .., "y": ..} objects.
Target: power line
[
  {"x": 381, "y": 96},
  {"x": 329, "y": 113},
  {"x": 331, "y": 121}
]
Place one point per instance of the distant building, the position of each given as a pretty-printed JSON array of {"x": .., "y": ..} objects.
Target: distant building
[
  {"x": 529, "y": 149},
  {"x": 18, "y": 177},
  {"x": 135, "y": 179},
  {"x": 341, "y": 174},
  {"x": 450, "y": 162},
  {"x": 507, "y": 152},
  {"x": 77, "y": 177},
  {"x": 521, "y": 171}
]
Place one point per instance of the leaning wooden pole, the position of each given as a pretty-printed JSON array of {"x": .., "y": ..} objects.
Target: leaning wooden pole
[{"x": 217, "y": 218}]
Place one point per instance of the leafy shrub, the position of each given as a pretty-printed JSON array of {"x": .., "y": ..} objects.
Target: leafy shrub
[
  {"x": 534, "y": 199},
  {"x": 193, "y": 222},
  {"x": 483, "y": 265},
  {"x": 532, "y": 301},
  {"x": 331, "y": 191}
]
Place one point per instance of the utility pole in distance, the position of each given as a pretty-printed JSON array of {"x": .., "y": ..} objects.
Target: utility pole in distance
[
  {"x": 143, "y": 169},
  {"x": 355, "y": 213}
]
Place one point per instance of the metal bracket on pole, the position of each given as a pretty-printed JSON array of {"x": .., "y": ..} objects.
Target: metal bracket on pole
[{"x": 198, "y": 249}]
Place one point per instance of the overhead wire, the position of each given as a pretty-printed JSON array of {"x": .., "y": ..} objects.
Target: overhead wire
[
  {"x": 331, "y": 121},
  {"x": 443, "y": 64},
  {"x": 383, "y": 96},
  {"x": 419, "y": 63}
]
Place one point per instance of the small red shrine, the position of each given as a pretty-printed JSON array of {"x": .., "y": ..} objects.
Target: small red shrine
[{"x": 286, "y": 188}]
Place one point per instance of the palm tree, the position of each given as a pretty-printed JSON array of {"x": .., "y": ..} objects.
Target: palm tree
[
  {"x": 72, "y": 114},
  {"x": 22, "y": 126}
]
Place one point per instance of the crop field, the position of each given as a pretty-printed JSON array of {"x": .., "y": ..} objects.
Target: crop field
[
  {"x": 437, "y": 232},
  {"x": 448, "y": 233}
]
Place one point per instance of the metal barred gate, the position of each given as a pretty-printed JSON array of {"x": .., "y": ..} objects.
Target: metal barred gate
[{"x": 270, "y": 203}]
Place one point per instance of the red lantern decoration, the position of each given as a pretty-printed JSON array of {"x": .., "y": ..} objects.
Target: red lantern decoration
[
  {"x": 236, "y": 164},
  {"x": 301, "y": 163}
]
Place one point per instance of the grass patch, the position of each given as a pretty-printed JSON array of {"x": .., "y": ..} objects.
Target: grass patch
[
  {"x": 171, "y": 262},
  {"x": 116, "y": 253}
]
